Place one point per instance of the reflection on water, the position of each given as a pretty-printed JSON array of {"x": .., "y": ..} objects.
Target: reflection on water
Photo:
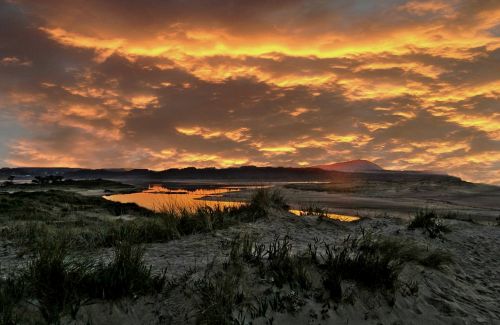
[
  {"x": 335, "y": 216},
  {"x": 159, "y": 198}
]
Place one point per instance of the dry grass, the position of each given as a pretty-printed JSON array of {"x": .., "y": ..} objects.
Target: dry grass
[
  {"x": 229, "y": 293},
  {"x": 430, "y": 222}
]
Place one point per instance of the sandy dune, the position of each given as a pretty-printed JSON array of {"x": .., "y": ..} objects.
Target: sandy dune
[{"x": 465, "y": 292}]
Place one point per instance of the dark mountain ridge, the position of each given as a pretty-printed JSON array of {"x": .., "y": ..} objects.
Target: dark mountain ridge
[
  {"x": 245, "y": 173},
  {"x": 353, "y": 166}
]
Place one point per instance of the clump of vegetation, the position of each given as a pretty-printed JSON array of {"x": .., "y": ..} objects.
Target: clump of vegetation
[
  {"x": 372, "y": 262},
  {"x": 12, "y": 291},
  {"x": 125, "y": 275},
  {"x": 430, "y": 223},
  {"x": 32, "y": 217},
  {"x": 59, "y": 284},
  {"x": 266, "y": 198},
  {"x": 312, "y": 210},
  {"x": 275, "y": 261},
  {"x": 54, "y": 205},
  {"x": 285, "y": 268},
  {"x": 288, "y": 279},
  {"x": 54, "y": 281},
  {"x": 217, "y": 296}
]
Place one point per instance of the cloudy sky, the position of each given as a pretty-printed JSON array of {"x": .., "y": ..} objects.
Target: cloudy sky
[{"x": 171, "y": 83}]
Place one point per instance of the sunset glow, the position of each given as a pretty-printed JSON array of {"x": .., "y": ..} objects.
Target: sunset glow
[{"x": 159, "y": 84}]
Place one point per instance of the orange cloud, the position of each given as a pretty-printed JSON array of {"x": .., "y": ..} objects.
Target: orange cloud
[{"x": 412, "y": 85}]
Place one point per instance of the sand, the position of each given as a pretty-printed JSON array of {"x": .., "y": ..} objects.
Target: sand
[{"x": 465, "y": 292}]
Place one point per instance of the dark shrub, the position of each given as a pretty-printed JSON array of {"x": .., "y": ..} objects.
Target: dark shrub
[{"x": 429, "y": 222}]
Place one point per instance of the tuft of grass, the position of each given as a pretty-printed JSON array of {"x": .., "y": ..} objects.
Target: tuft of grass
[
  {"x": 285, "y": 268},
  {"x": 372, "y": 262},
  {"x": 245, "y": 248},
  {"x": 217, "y": 296},
  {"x": 12, "y": 290},
  {"x": 430, "y": 223},
  {"x": 312, "y": 210},
  {"x": 54, "y": 281},
  {"x": 286, "y": 279},
  {"x": 59, "y": 284},
  {"x": 274, "y": 261},
  {"x": 360, "y": 260},
  {"x": 265, "y": 198},
  {"x": 125, "y": 275}
]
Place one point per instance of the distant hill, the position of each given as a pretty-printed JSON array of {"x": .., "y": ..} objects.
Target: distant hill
[
  {"x": 353, "y": 166},
  {"x": 246, "y": 173}
]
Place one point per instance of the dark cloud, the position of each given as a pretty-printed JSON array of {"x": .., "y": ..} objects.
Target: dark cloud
[{"x": 72, "y": 96}]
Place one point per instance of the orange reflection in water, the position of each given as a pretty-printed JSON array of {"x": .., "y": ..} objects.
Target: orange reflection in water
[
  {"x": 158, "y": 198},
  {"x": 340, "y": 217}
]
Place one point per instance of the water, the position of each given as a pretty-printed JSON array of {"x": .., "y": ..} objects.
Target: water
[
  {"x": 334, "y": 216},
  {"x": 160, "y": 197}
]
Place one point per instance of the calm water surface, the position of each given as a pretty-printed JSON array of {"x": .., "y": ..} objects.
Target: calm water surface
[
  {"x": 160, "y": 197},
  {"x": 335, "y": 216}
]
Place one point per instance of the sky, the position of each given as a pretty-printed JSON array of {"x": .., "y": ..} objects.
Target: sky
[{"x": 410, "y": 85}]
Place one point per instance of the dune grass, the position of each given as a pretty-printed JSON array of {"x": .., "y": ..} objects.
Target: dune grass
[
  {"x": 89, "y": 232},
  {"x": 311, "y": 210},
  {"x": 58, "y": 280},
  {"x": 430, "y": 223},
  {"x": 12, "y": 290},
  {"x": 287, "y": 279},
  {"x": 59, "y": 283}
]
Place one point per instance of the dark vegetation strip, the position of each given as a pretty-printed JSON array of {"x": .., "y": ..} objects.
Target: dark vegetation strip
[
  {"x": 29, "y": 218},
  {"x": 290, "y": 279},
  {"x": 58, "y": 284}
]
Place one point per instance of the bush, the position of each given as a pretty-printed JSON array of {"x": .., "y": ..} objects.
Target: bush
[
  {"x": 266, "y": 198},
  {"x": 430, "y": 223},
  {"x": 361, "y": 260}
]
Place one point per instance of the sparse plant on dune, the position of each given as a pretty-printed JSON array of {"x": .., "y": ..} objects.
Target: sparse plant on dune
[
  {"x": 266, "y": 198},
  {"x": 285, "y": 267},
  {"x": 217, "y": 296},
  {"x": 54, "y": 280},
  {"x": 370, "y": 262},
  {"x": 125, "y": 275},
  {"x": 312, "y": 210},
  {"x": 430, "y": 222},
  {"x": 59, "y": 283},
  {"x": 12, "y": 290}
]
